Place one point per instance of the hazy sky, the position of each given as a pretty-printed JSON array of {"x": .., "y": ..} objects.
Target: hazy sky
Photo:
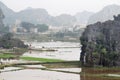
[{"x": 56, "y": 7}]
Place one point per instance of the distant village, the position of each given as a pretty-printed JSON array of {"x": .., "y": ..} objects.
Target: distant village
[{"x": 17, "y": 28}]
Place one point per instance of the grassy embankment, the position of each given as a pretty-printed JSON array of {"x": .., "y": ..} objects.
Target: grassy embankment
[
  {"x": 40, "y": 59},
  {"x": 7, "y": 56},
  {"x": 12, "y": 53}
]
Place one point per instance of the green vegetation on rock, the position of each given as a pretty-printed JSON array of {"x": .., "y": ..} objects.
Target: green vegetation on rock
[{"x": 101, "y": 44}]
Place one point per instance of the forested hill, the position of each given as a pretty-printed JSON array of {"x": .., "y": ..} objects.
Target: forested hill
[{"x": 101, "y": 43}]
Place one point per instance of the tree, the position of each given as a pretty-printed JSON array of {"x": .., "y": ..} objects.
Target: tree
[
  {"x": 27, "y": 25},
  {"x": 8, "y": 36},
  {"x": 7, "y": 41},
  {"x": 59, "y": 35},
  {"x": 42, "y": 27}
]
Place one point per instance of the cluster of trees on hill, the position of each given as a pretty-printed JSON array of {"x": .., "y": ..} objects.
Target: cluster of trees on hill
[
  {"x": 40, "y": 27},
  {"x": 7, "y": 41}
]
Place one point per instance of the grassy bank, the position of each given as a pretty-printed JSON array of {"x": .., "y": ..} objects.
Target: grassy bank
[
  {"x": 7, "y": 56},
  {"x": 40, "y": 59}
]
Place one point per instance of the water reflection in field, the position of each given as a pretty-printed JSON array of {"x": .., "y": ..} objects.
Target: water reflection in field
[
  {"x": 65, "y": 50},
  {"x": 29, "y": 74},
  {"x": 60, "y": 73}
]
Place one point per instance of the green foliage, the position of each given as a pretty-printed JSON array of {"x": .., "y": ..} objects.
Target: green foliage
[
  {"x": 59, "y": 35},
  {"x": 103, "y": 51},
  {"x": 6, "y": 56},
  {"x": 102, "y": 54},
  {"x": 106, "y": 43},
  {"x": 42, "y": 27},
  {"x": 8, "y": 36},
  {"x": 28, "y": 26}
]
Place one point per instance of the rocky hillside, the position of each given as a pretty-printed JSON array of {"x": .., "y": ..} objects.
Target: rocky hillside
[
  {"x": 9, "y": 14},
  {"x": 1, "y": 22},
  {"x": 101, "y": 43}
]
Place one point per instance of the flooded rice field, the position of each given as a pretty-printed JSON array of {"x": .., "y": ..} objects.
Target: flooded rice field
[
  {"x": 30, "y": 74},
  {"x": 57, "y": 74},
  {"x": 64, "y": 50}
]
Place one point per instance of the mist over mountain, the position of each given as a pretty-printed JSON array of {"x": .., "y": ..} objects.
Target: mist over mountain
[
  {"x": 82, "y": 17},
  {"x": 34, "y": 16},
  {"x": 41, "y": 16},
  {"x": 9, "y": 14},
  {"x": 65, "y": 20},
  {"x": 105, "y": 14}
]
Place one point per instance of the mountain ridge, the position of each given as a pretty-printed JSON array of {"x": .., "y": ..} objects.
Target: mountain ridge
[
  {"x": 105, "y": 14},
  {"x": 38, "y": 16}
]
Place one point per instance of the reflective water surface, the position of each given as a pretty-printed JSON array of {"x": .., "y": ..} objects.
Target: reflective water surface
[
  {"x": 30, "y": 74},
  {"x": 65, "y": 50},
  {"x": 37, "y": 74}
]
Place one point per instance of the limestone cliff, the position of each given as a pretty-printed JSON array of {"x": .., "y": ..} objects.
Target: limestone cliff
[{"x": 101, "y": 43}]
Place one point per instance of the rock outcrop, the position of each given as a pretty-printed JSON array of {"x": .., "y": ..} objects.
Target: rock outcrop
[{"x": 101, "y": 43}]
